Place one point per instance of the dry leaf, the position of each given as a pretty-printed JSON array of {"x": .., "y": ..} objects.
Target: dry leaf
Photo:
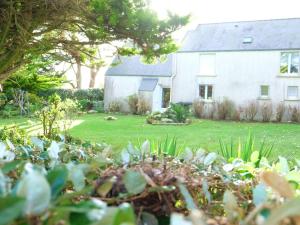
[{"x": 277, "y": 183}]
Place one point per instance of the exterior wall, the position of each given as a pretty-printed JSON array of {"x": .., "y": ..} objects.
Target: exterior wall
[
  {"x": 238, "y": 77},
  {"x": 120, "y": 87}
]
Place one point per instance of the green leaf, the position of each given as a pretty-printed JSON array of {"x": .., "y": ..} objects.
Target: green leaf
[
  {"x": 210, "y": 158},
  {"x": 259, "y": 195},
  {"x": 10, "y": 209},
  {"x": 104, "y": 188},
  {"x": 125, "y": 215},
  {"x": 149, "y": 219},
  {"x": 35, "y": 188},
  {"x": 283, "y": 166},
  {"x": 254, "y": 156},
  {"x": 288, "y": 209},
  {"x": 187, "y": 197},
  {"x": 57, "y": 179},
  {"x": 134, "y": 182},
  {"x": 10, "y": 166}
]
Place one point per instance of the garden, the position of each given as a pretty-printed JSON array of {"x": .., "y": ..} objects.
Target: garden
[{"x": 66, "y": 159}]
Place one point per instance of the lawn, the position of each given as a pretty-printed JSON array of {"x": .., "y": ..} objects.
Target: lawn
[{"x": 201, "y": 133}]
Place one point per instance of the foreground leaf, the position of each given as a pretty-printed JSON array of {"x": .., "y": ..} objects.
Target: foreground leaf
[
  {"x": 288, "y": 209},
  {"x": 134, "y": 182},
  {"x": 10, "y": 209},
  {"x": 277, "y": 183}
]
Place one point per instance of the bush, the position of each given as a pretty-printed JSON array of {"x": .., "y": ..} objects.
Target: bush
[
  {"x": 9, "y": 111},
  {"x": 236, "y": 114},
  {"x": 295, "y": 114},
  {"x": 225, "y": 109},
  {"x": 114, "y": 106},
  {"x": 251, "y": 110},
  {"x": 198, "y": 108},
  {"x": 133, "y": 102},
  {"x": 14, "y": 134},
  {"x": 266, "y": 112},
  {"x": 90, "y": 94},
  {"x": 98, "y": 106},
  {"x": 177, "y": 112},
  {"x": 280, "y": 110},
  {"x": 143, "y": 106}
]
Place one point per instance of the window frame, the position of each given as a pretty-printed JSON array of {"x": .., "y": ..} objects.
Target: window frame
[
  {"x": 289, "y": 63},
  {"x": 292, "y": 97},
  {"x": 163, "y": 95},
  {"x": 206, "y": 92},
  {"x": 215, "y": 63},
  {"x": 260, "y": 91}
]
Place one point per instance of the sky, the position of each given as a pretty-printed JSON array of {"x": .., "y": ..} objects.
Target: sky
[{"x": 211, "y": 11}]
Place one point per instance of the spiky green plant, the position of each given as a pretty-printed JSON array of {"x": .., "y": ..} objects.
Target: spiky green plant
[{"x": 244, "y": 150}]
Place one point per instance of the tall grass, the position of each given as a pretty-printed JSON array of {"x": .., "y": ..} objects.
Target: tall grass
[
  {"x": 244, "y": 150},
  {"x": 164, "y": 147}
]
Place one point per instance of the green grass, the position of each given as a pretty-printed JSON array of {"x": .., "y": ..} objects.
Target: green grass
[{"x": 201, "y": 133}]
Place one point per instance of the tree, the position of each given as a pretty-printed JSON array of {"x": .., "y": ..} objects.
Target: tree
[
  {"x": 37, "y": 76},
  {"x": 35, "y": 27}
]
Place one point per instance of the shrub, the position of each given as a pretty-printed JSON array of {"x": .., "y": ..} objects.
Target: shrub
[
  {"x": 266, "y": 112},
  {"x": 280, "y": 110},
  {"x": 251, "y": 110},
  {"x": 14, "y": 134},
  {"x": 295, "y": 114},
  {"x": 210, "y": 110},
  {"x": 98, "y": 106},
  {"x": 246, "y": 150},
  {"x": 198, "y": 108},
  {"x": 143, "y": 106},
  {"x": 225, "y": 109},
  {"x": 114, "y": 106},
  {"x": 90, "y": 94},
  {"x": 133, "y": 102},
  {"x": 236, "y": 114},
  {"x": 177, "y": 112}
]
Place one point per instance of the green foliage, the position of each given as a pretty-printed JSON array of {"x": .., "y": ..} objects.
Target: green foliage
[
  {"x": 178, "y": 113},
  {"x": 30, "y": 28},
  {"x": 56, "y": 114},
  {"x": 39, "y": 75},
  {"x": 14, "y": 133},
  {"x": 245, "y": 151}
]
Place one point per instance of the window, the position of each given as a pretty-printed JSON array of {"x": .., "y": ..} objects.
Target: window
[
  {"x": 264, "y": 91},
  {"x": 166, "y": 94},
  {"x": 206, "y": 92},
  {"x": 247, "y": 40},
  {"x": 292, "y": 92},
  {"x": 207, "y": 64},
  {"x": 289, "y": 62}
]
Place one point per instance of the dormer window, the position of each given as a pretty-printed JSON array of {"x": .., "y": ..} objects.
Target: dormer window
[{"x": 247, "y": 40}]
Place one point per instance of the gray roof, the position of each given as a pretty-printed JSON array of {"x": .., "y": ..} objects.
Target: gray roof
[
  {"x": 133, "y": 66},
  {"x": 278, "y": 34},
  {"x": 148, "y": 84}
]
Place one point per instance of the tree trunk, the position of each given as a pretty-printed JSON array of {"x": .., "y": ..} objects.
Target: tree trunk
[
  {"x": 78, "y": 74},
  {"x": 94, "y": 71}
]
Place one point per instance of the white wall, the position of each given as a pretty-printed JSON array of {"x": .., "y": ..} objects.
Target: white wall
[
  {"x": 120, "y": 87},
  {"x": 239, "y": 76}
]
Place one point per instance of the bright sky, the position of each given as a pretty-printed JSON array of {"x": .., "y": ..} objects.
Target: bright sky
[{"x": 209, "y": 11}]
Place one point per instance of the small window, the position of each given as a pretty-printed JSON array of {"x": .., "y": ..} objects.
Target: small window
[
  {"x": 289, "y": 63},
  {"x": 206, "y": 92},
  {"x": 247, "y": 40},
  {"x": 207, "y": 64},
  {"x": 292, "y": 92},
  {"x": 166, "y": 96},
  {"x": 264, "y": 91}
]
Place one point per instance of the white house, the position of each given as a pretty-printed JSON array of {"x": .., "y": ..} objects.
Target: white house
[{"x": 242, "y": 61}]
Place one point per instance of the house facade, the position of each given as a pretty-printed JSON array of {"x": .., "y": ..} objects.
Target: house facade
[{"x": 241, "y": 61}]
